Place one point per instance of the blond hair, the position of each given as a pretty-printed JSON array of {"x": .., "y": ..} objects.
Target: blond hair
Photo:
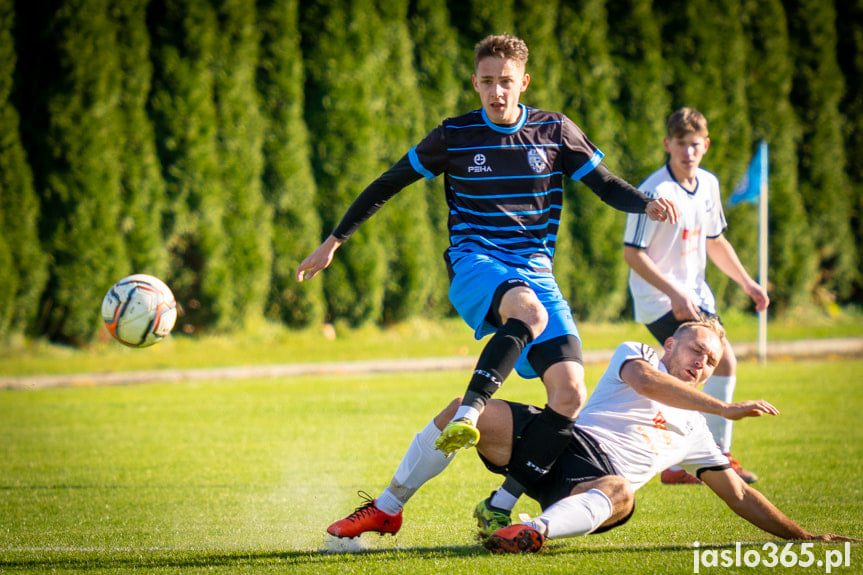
[
  {"x": 710, "y": 322},
  {"x": 686, "y": 121},
  {"x": 501, "y": 46}
]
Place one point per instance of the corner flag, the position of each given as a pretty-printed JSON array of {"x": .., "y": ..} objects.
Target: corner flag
[
  {"x": 753, "y": 188},
  {"x": 754, "y": 180}
]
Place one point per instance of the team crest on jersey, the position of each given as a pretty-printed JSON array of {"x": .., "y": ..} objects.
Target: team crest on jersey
[{"x": 537, "y": 160}]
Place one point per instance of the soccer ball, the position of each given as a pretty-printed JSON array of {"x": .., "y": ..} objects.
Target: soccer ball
[{"x": 139, "y": 310}]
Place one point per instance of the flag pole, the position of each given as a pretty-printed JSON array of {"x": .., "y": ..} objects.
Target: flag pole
[{"x": 762, "y": 253}]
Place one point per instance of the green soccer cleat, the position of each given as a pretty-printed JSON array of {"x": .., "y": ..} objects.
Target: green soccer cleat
[
  {"x": 457, "y": 434},
  {"x": 490, "y": 519}
]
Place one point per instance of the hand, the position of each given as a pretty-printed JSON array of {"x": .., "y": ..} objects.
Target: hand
[
  {"x": 758, "y": 295},
  {"x": 832, "y": 537},
  {"x": 318, "y": 259},
  {"x": 684, "y": 309},
  {"x": 741, "y": 409},
  {"x": 662, "y": 210}
]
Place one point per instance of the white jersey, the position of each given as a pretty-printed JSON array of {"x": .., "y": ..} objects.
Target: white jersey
[
  {"x": 678, "y": 250},
  {"x": 640, "y": 436}
]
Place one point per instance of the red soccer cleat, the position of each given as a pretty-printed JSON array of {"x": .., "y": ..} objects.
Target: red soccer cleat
[
  {"x": 367, "y": 517},
  {"x": 679, "y": 477},
  {"x": 518, "y": 538}
]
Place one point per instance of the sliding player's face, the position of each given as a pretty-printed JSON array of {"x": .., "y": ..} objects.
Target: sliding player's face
[
  {"x": 500, "y": 82},
  {"x": 693, "y": 355}
]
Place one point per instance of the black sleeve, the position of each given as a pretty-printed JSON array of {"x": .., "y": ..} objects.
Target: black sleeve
[
  {"x": 391, "y": 182},
  {"x": 616, "y": 192}
]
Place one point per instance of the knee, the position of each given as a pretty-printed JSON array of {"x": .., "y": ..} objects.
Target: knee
[
  {"x": 625, "y": 495},
  {"x": 620, "y": 492},
  {"x": 539, "y": 319},
  {"x": 523, "y": 304},
  {"x": 567, "y": 400},
  {"x": 565, "y": 387}
]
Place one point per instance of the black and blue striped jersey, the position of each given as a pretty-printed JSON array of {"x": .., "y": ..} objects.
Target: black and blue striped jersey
[{"x": 504, "y": 184}]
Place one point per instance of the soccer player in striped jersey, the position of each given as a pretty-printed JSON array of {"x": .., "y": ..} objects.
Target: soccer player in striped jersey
[
  {"x": 668, "y": 260},
  {"x": 503, "y": 167}
]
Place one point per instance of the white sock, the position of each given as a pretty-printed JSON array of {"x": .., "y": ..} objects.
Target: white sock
[
  {"x": 467, "y": 412},
  {"x": 388, "y": 503},
  {"x": 576, "y": 515},
  {"x": 721, "y": 387},
  {"x": 420, "y": 463},
  {"x": 503, "y": 499}
]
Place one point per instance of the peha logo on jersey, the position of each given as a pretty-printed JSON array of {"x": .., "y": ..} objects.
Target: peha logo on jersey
[
  {"x": 478, "y": 166},
  {"x": 537, "y": 160}
]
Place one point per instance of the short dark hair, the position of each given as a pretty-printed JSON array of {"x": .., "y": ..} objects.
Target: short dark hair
[
  {"x": 501, "y": 46},
  {"x": 686, "y": 121}
]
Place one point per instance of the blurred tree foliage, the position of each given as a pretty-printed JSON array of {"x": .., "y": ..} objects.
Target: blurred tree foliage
[{"x": 216, "y": 143}]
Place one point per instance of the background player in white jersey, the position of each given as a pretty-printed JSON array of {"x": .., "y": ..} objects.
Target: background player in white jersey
[
  {"x": 668, "y": 260},
  {"x": 503, "y": 167},
  {"x": 639, "y": 419}
]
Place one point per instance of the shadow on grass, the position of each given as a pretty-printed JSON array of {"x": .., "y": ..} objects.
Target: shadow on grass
[{"x": 143, "y": 559}]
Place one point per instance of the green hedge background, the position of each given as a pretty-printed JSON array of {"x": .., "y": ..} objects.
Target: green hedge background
[{"x": 215, "y": 143}]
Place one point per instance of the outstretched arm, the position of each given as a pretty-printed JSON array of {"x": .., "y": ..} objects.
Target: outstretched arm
[
  {"x": 664, "y": 388},
  {"x": 375, "y": 195},
  {"x": 757, "y": 509},
  {"x": 621, "y": 195},
  {"x": 722, "y": 253}
]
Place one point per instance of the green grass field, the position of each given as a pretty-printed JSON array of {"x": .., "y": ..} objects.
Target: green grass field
[{"x": 244, "y": 477}]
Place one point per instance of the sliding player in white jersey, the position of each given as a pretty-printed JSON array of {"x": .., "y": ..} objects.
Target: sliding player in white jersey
[
  {"x": 668, "y": 261},
  {"x": 643, "y": 416}
]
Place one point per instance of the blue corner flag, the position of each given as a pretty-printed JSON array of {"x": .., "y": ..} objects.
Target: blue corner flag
[{"x": 754, "y": 180}]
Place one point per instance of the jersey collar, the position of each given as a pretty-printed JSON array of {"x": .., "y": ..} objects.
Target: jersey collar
[
  {"x": 697, "y": 181},
  {"x": 509, "y": 129}
]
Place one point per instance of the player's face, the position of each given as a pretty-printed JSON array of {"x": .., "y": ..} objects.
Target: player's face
[
  {"x": 500, "y": 82},
  {"x": 685, "y": 153},
  {"x": 692, "y": 356}
]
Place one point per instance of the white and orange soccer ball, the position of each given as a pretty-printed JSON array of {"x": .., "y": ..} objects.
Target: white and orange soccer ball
[{"x": 139, "y": 310}]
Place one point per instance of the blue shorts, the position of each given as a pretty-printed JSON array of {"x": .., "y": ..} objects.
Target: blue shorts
[{"x": 476, "y": 277}]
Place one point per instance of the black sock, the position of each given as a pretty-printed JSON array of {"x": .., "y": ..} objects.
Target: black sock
[
  {"x": 496, "y": 362},
  {"x": 537, "y": 449}
]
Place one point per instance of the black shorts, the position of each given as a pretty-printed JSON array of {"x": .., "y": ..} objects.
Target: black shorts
[
  {"x": 582, "y": 461},
  {"x": 664, "y": 327}
]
